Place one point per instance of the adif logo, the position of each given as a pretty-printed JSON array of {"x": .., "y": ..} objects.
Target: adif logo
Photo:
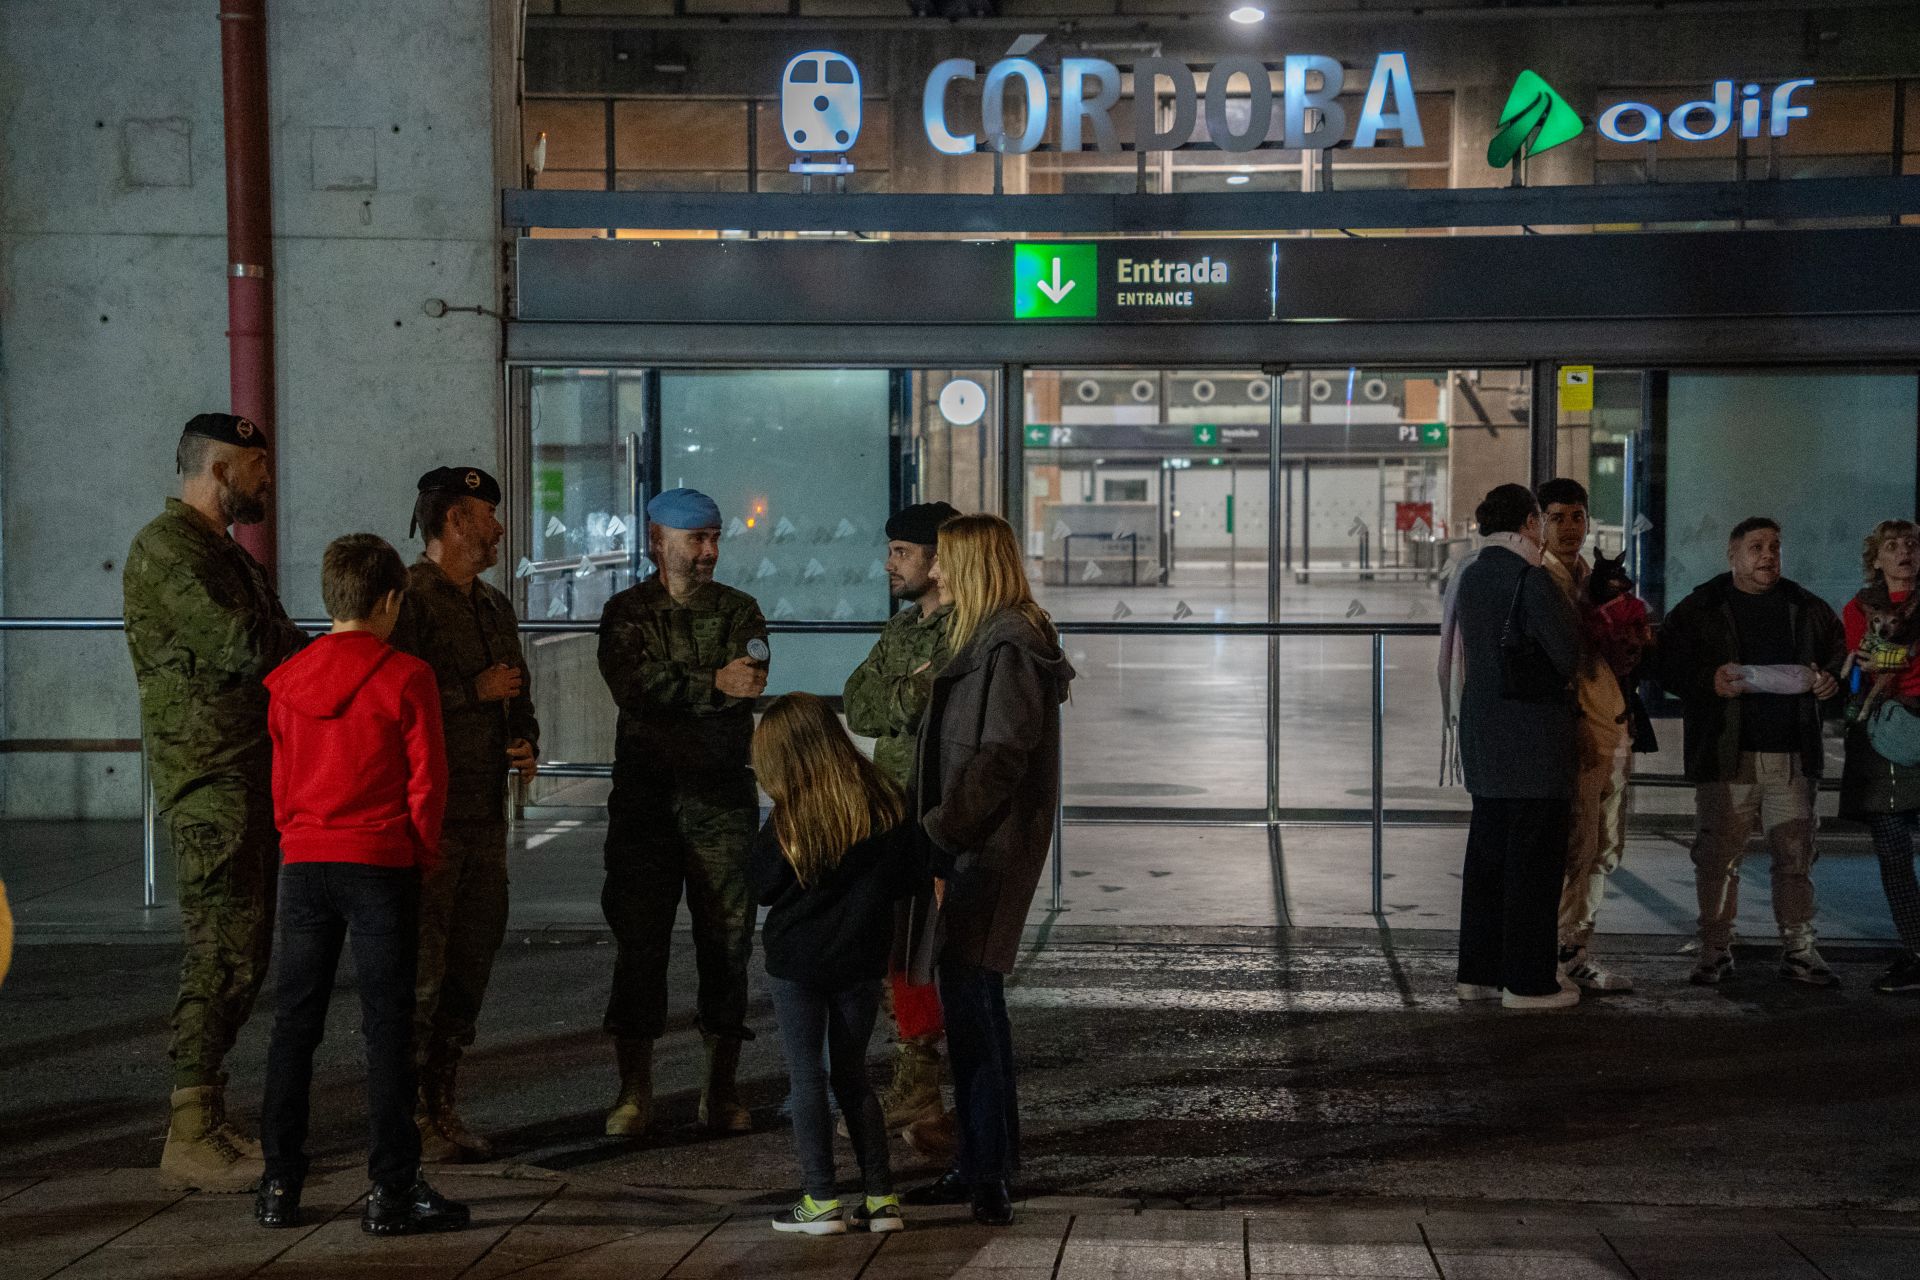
[
  {"x": 1535, "y": 119},
  {"x": 1631, "y": 122},
  {"x": 820, "y": 102}
]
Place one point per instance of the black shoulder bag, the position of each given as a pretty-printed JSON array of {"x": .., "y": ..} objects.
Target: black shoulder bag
[{"x": 1527, "y": 674}]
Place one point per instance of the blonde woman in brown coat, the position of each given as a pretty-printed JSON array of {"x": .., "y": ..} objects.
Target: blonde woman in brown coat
[{"x": 986, "y": 784}]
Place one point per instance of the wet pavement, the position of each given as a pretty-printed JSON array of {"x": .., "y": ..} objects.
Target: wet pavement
[
  {"x": 536, "y": 1225},
  {"x": 1176, "y": 1064}
]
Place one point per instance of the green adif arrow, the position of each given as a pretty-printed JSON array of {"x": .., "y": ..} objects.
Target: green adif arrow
[
  {"x": 1434, "y": 434},
  {"x": 1203, "y": 435},
  {"x": 1535, "y": 119},
  {"x": 1039, "y": 437}
]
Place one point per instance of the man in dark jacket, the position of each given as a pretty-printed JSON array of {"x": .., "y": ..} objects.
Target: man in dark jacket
[
  {"x": 1520, "y": 754},
  {"x": 1754, "y": 757}
]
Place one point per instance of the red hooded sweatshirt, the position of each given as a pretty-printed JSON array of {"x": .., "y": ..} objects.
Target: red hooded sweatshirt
[{"x": 359, "y": 756}]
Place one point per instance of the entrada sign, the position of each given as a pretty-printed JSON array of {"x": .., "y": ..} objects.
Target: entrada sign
[
  {"x": 1090, "y": 90},
  {"x": 1120, "y": 280}
]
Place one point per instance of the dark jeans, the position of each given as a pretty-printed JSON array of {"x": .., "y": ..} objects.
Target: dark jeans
[
  {"x": 322, "y": 905},
  {"x": 980, "y": 1056},
  {"x": 1510, "y": 894},
  {"x": 841, "y": 1020}
]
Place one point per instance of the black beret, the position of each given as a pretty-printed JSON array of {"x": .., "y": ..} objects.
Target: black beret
[
  {"x": 920, "y": 523},
  {"x": 227, "y": 429},
  {"x": 469, "y": 482}
]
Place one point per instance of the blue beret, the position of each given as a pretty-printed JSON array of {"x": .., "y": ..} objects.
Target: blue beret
[{"x": 684, "y": 509}]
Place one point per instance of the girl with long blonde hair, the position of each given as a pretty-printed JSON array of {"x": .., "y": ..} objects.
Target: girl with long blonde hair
[
  {"x": 986, "y": 782},
  {"x": 833, "y": 858}
]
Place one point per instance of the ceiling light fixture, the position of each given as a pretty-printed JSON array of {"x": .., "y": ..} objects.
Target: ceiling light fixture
[
  {"x": 1248, "y": 14},
  {"x": 1238, "y": 179}
]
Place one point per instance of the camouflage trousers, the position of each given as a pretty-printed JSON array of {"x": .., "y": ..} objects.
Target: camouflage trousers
[
  {"x": 226, "y": 857},
  {"x": 661, "y": 842},
  {"x": 463, "y": 918}
]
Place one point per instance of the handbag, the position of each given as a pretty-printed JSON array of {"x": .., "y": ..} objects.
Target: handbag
[
  {"x": 1894, "y": 732},
  {"x": 1527, "y": 674}
]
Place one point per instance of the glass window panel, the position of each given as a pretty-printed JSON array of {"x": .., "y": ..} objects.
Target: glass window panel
[
  {"x": 1166, "y": 721},
  {"x": 680, "y": 134},
  {"x": 576, "y": 132},
  {"x": 1850, "y": 463},
  {"x": 952, "y": 426},
  {"x": 583, "y": 528},
  {"x": 1193, "y": 445},
  {"x": 800, "y": 462}
]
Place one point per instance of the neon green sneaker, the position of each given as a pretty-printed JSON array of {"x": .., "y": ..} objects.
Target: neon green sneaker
[
  {"x": 878, "y": 1213},
  {"x": 812, "y": 1217}
]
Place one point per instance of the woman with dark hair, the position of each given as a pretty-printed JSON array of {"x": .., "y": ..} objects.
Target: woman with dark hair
[
  {"x": 986, "y": 782},
  {"x": 1883, "y": 633},
  {"x": 1520, "y": 646}
]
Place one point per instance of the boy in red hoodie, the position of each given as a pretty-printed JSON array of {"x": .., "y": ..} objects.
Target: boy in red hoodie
[{"x": 359, "y": 787}]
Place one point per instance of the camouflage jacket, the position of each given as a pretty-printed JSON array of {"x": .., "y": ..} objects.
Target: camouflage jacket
[
  {"x": 203, "y": 628},
  {"x": 658, "y": 658},
  {"x": 460, "y": 634},
  {"x": 885, "y": 698}
]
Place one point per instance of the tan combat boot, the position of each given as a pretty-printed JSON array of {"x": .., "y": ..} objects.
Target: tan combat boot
[
  {"x": 914, "y": 1094},
  {"x": 198, "y": 1156},
  {"x": 440, "y": 1092},
  {"x": 632, "y": 1112},
  {"x": 435, "y": 1146},
  {"x": 721, "y": 1110},
  {"x": 231, "y": 1131}
]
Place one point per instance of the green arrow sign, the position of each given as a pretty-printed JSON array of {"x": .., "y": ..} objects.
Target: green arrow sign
[
  {"x": 1055, "y": 280},
  {"x": 1039, "y": 437},
  {"x": 1206, "y": 435},
  {"x": 1433, "y": 435}
]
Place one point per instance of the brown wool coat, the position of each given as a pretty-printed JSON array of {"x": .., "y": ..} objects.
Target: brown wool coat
[{"x": 986, "y": 782}]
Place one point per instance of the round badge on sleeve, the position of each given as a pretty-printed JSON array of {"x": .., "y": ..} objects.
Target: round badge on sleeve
[{"x": 757, "y": 650}]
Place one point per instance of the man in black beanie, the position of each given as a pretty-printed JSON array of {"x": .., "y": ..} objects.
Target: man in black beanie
[{"x": 885, "y": 698}]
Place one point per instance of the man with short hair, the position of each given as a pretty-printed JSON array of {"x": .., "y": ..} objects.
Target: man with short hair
[
  {"x": 885, "y": 699},
  {"x": 1755, "y": 758},
  {"x": 684, "y": 658},
  {"x": 466, "y": 630},
  {"x": 1597, "y": 825},
  {"x": 203, "y": 628}
]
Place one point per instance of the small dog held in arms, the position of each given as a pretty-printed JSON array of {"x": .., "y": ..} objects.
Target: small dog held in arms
[
  {"x": 1874, "y": 669},
  {"x": 1620, "y": 632}
]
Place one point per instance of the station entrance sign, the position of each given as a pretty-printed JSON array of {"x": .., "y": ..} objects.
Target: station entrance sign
[{"x": 1144, "y": 280}]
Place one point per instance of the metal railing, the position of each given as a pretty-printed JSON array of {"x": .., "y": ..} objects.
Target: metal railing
[{"x": 1375, "y": 817}]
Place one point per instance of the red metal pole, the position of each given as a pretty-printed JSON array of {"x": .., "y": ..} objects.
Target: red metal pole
[{"x": 243, "y": 76}]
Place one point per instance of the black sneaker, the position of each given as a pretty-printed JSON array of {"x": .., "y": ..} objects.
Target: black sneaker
[
  {"x": 392, "y": 1212},
  {"x": 1903, "y": 979},
  {"x": 277, "y": 1203},
  {"x": 992, "y": 1204}
]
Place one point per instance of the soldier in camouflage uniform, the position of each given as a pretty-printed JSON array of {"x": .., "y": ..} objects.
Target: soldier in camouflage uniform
[
  {"x": 204, "y": 628},
  {"x": 885, "y": 698},
  {"x": 467, "y": 632},
  {"x": 684, "y": 657}
]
